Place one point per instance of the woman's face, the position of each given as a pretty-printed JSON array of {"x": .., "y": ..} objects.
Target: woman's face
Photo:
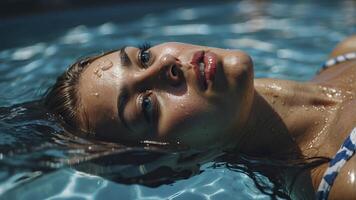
[{"x": 173, "y": 92}]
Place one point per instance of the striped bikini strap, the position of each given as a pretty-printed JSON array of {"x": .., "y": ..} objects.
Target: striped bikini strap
[
  {"x": 346, "y": 151},
  {"x": 339, "y": 59}
]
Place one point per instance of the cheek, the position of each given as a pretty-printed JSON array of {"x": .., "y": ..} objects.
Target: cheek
[
  {"x": 166, "y": 50},
  {"x": 182, "y": 114}
]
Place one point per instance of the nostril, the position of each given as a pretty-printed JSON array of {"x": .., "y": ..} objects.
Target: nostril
[
  {"x": 174, "y": 75},
  {"x": 174, "y": 71}
]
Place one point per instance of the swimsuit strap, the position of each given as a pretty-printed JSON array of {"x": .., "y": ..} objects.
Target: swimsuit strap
[
  {"x": 346, "y": 151},
  {"x": 339, "y": 59}
]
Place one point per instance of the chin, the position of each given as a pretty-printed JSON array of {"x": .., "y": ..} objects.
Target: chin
[
  {"x": 238, "y": 68},
  {"x": 239, "y": 72}
]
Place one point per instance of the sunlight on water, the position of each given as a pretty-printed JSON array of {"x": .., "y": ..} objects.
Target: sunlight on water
[{"x": 286, "y": 40}]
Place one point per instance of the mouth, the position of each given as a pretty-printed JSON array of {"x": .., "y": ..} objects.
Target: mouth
[{"x": 205, "y": 64}]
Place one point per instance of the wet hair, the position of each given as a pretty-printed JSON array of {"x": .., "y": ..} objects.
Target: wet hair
[{"x": 62, "y": 98}]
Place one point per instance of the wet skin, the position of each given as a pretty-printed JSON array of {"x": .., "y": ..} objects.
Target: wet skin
[
  {"x": 164, "y": 98},
  {"x": 262, "y": 117}
]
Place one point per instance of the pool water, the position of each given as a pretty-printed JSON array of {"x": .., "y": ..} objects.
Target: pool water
[{"x": 286, "y": 39}]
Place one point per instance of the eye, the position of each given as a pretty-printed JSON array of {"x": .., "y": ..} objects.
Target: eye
[
  {"x": 144, "y": 55},
  {"x": 147, "y": 107}
]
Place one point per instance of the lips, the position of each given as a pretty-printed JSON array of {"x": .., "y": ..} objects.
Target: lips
[{"x": 205, "y": 64}]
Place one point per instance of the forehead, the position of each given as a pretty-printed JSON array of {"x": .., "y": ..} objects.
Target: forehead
[{"x": 98, "y": 89}]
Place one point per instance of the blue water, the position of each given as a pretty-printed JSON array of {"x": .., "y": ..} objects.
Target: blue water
[{"x": 288, "y": 40}]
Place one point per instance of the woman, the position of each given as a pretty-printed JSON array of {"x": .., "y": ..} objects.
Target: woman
[{"x": 206, "y": 99}]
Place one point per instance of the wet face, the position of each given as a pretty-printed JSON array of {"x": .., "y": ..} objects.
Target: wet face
[{"x": 173, "y": 92}]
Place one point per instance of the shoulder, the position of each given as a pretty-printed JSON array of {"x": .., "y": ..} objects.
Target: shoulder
[
  {"x": 345, "y": 183},
  {"x": 345, "y": 46},
  {"x": 338, "y": 73}
]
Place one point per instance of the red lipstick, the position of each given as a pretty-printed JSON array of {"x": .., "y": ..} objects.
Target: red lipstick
[
  {"x": 210, "y": 60},
  {"x": 205, "y": 64}
]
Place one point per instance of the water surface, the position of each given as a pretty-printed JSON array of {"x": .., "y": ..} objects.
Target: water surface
[{"x": 288, "y": 40}]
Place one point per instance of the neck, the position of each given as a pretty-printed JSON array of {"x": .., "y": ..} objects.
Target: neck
[{"x": 285, "y": 117}]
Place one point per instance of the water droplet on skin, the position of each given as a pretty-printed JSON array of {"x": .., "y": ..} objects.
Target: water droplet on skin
[
  {"x": 107, "y": 64},
  {"x": 97, "y": 72},
  {"x": 95, "y": 94},
  {"x": 306, "y": 108}
]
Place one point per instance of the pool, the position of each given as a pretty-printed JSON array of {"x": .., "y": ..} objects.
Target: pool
[{"x": 286, "y": 40}]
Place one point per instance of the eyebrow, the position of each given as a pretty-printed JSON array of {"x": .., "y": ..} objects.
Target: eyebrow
[
  {"x": 124, "y": 58},
  {"x": 122, "y": 101}
]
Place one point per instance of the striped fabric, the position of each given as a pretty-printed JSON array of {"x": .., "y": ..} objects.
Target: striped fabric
[
  {"x": 346, "y": 151},
  {"x": 339, "y": 59}
]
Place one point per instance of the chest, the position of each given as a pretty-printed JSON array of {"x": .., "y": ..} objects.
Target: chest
[
  {"x": 340, "y": 127},
  {"x": 342, "y": 120}
]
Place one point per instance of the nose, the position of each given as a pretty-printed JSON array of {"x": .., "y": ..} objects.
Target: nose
[{"x": 167, "y": 71}]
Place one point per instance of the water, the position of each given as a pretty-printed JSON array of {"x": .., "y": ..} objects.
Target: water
[{"x": 286, "y": 40}]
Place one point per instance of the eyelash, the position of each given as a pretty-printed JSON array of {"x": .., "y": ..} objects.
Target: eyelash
[{"x": 143, "y": 48}]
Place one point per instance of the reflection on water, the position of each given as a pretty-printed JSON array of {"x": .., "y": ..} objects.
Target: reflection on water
[{"x": 286, "y": 40}]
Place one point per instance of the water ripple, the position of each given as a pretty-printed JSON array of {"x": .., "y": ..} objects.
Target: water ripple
[
  {"x": 186, "y": 29},
  {"x": 27, "y": 52},
  {"x": 288, "y": 41}
]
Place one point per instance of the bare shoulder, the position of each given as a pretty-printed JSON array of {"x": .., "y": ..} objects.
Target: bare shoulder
[
  {"x": 345, "y": 183},
  {"x": 345, "y": 46},
  {"x": 341, "y": 75}
]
